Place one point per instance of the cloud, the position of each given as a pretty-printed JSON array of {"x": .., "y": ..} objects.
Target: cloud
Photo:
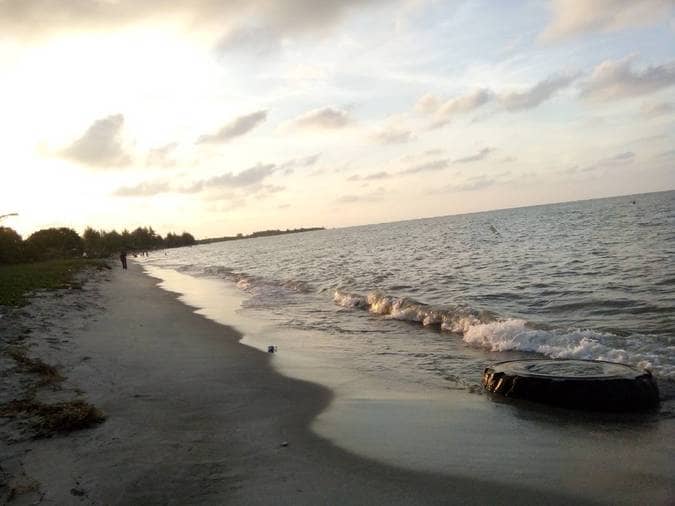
[
  {"x": 308, "y": 161},
  {"x": 144, "y": 189},
  {"x": 444, "y": 111},
  {"x": 428, "y": 104},
  {"x": 375, "y": 195},
  {"x": 464, "y": 104},
  {"x": 481, "y": 155},
  {"x": 624, "y": 158},
  {"x": 615, "y": 79},
  {"x": 573, "y": 17},
  {"x": 431, "y": 166},
  {"x": 393, "y": 135},
  {"x": 658, "y": 109},
  {"x": 325, "y": 118},
  {"x": 532, "y": 97},
  {"x": 472, "y": 184},
  {"x": 161, "y": 156},
  {"x": 249, "y": 177},
  {"x": 236, "y": 128},
  {"x": 369, "y": 177},
  {"x": 276, "y": 18},
  {"x": 101, "y": 145}
]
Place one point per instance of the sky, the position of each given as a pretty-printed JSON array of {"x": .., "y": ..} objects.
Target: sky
[{"x": 231, "y": 116}]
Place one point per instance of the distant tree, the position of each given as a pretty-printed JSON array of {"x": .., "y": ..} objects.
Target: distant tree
[
  {"x": 11, "y": 246},
  {"x": 51, "y": 243},
  {"x": 187, "y": 239},
  {"x": 126, "y": 239},
  {"x": 93, "y": 243},
  {"x": 113, "y": 242},
  {"x": 145, "y": 239}
]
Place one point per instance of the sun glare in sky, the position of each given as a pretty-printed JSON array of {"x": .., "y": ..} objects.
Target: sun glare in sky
[{"x": 228, "y": 117}]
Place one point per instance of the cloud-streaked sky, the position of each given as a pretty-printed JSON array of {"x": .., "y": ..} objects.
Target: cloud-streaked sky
[{"x": 220, "y": 117}]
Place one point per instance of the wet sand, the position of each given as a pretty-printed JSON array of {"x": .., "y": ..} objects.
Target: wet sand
[{"x": 195, "y": 417}]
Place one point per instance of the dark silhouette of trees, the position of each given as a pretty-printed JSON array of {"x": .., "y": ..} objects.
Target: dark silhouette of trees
[
  {"x": 174, "y": 240},
  {"x": 11, "y": 246},
  {"x": 53, "y": 243},
  {"x": 60, "y": 243}
]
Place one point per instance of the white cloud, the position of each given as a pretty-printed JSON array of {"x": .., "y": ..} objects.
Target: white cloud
[
  {"x": 625, "y": 158},
  {"x": 534, "y": 96},
  {"x": 428, "y": 104},
  {"x": 472, "y": 184},
  {"x": 481, "y": 155},
  {"x": 101, "y": 145},
  {"x": 144, "y": 189},
  {"x": 572, "y": 17},
  {"x": 161, "y": 156},
  {"x": 432, "y": 166},
  {"x": 464, "y": 104},
  {"x": 369, "y": 177},
  {"x": 652, "y": 110},
  {"x": 444, "y": 111},
  {"x": 372, "y": 196},
  {"x": 392, "y": 134},
  {"x": 236, "y": 128},
  {"x": 276, "y": 18},
  {"x": 249, "y": 177},
  {"x": 325, "y": 118},
  {"x": 614, "y": 79},
  {"x": 296, "y": 163}
]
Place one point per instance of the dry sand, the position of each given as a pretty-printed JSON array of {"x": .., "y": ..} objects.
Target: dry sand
[{"x": 193, "y": 416}]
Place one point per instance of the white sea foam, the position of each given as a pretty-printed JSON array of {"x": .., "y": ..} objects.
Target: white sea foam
[{"x": 516, "y": 334}]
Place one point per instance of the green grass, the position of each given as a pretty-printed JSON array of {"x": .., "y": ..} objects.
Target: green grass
[{"x": 19, "y": 280}]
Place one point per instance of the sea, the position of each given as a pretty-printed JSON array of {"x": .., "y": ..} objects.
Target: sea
[
  {"x": 399, "y": 320},
  {"x": 436, "y": 300}
]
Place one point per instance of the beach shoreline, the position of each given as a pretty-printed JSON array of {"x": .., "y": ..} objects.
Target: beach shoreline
[{"x": 195, "y": 417}]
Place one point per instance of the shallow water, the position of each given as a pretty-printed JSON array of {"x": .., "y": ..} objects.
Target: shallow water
[
  {"x": 400, "y": 319},
  {"x": 434, "y": 300}
]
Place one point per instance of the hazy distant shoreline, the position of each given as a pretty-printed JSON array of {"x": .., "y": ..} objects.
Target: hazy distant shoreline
[{"x": 261, "y": 233}]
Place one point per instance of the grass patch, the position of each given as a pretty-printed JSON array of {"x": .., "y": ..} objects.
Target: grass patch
[
  {"x": 48, "y": 419},
  {"x": 19, "y": 280}
]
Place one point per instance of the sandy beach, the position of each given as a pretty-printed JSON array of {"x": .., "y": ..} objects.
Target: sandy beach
[{"x": 193, "y": 417}]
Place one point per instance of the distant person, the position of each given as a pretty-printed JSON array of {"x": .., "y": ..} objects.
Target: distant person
[{"x": 123, "y": 259}]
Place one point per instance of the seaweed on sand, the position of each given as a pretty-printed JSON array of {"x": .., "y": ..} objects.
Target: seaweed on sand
[{"x": 48, "y": 419}]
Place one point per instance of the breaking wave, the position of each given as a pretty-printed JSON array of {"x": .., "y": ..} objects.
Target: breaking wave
[{"x": 488, "y": 331}]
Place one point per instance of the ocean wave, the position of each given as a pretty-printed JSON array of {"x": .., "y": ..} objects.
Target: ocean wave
[{"x": 496, "y": 334}]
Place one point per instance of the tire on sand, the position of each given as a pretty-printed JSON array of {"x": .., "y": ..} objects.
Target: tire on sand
[{"x": 578, "y": 384}]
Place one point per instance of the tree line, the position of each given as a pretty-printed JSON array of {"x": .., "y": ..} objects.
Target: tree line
[{"x": 59, "y": 243}]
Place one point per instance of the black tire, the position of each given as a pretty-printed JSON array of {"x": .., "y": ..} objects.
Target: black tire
[{"x": 591, "y": 385}]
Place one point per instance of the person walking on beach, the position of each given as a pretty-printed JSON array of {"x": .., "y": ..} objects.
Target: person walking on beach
[{"x": 123, "y": 259}]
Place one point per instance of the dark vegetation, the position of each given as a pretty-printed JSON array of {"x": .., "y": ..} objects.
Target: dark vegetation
[
  {"x": 47, "y": 419},
  {"x": 17, "y": 281},
  {"x": 48, "y": 374},
  {"x": 63, "y": 243},
  {"x": 261, "y": 233}
]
